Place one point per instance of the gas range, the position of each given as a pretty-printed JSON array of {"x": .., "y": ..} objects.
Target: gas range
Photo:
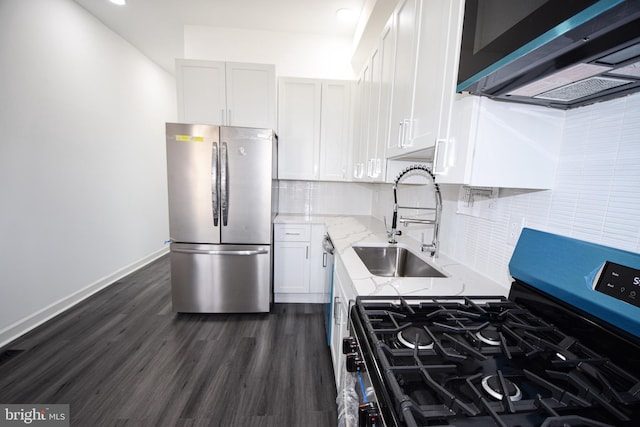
[{"x": 528, "y": 360}]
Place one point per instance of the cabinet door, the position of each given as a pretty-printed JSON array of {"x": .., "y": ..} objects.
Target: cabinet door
[
  {"x": 432, "y": 86},
  {"x": 359, "y": 152},
  {"x": 335, "y": 132},
  {"x": 291, "y": 267},
  {"x": 406, "y": 30},
  {"x": 382, "y": 80},
  {"x": 201, "y": 92},
  {"x": 453, "y": 156},
  {"x": 299, "y": 106},
  {"x": 338, "y": 329},
  {"x": 497, "y": 144},
  {"x": 317, "y": 264},
  {"x": 373, "y": 169},
  {"x": 251, "y": 95}
]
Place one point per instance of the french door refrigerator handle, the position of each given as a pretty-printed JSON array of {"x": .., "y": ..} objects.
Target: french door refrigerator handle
[
  {"x": 215, "y": 185},
  {"x": 220, "y": 252},
  {"x": 224, "y": 182}
]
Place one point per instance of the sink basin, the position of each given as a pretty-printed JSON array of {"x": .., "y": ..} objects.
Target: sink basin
[{"x": 394, "y": 261}]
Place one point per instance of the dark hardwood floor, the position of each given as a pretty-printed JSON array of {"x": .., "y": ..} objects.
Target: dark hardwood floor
[{"x": 123, "y": 358}]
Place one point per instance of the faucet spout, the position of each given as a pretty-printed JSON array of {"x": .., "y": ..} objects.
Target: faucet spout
[{"x": 391, "y": 233}]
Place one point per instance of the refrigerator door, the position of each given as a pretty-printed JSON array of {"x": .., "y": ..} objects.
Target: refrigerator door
[
  {"x": 246, "y": 161},
  {"x": 193, "y": 153},
  {"x": 220, "y": 278}
]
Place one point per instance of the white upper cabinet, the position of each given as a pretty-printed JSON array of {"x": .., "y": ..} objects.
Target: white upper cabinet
[
  {"x": 423, "y": 85},
  {"x": 407, "y": 27},
  {"x": 498, "y": 144},
  {"x": 434, "y": 87},
  {"x": 226, "y": 93},
  {"x": 408, "y": 105},
  {"x": 372, "y": 111},
  {"x": 314, "y": 133},
  {"x": 299, "y": 103},
  {"x": 383, "y": 80},
  {"x": 251, "y": 95},
  {"x": 335, "y": 130},
  {"x": 201, "y": 91},
  {"x": 359, "y": 154}
]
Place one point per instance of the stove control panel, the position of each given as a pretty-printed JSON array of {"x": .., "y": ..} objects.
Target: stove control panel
[
  {"x": 354, "y": 359},
  {"x": 620, "y": 282}
]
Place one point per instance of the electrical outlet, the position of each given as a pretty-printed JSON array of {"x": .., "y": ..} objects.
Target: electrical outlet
[{"x": 516, "y": 222}]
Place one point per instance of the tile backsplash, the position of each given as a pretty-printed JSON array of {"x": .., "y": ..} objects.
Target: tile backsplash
[
  {"x": 596, "y": 194},
  {"x": 324, "y": 198}
]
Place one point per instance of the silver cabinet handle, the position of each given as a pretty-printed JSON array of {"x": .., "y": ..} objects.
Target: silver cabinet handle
[
  {"x": 406, "y": 133},
  {"x": 224, "y": 182},
  {"x": 440, "y": 165},
  {"x": 400, "y": 133},
  {"x": 324, "y": 259},
  {"x": 215, "y": 184},
  {"x": 336, "y": 308},
  {"x": 220, "y": 252}
]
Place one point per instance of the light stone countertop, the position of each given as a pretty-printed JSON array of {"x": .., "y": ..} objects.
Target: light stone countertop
[{"x": 346, "y": 230}]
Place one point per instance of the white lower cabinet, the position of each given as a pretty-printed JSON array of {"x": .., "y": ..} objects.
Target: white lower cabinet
[
  {"x": 344, "y": 296},
  {"x": 298, "y": 267},
  {"x": 339, "y": 323}
]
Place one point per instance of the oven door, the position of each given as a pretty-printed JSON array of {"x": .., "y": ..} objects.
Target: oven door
[{"x": 374, "y": 402}]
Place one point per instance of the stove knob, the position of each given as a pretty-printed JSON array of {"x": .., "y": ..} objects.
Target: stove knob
[
  {"x": 349, "y": 345},
  {"x": 354, "y": 362},
  {"x": 368, "y": 414}
]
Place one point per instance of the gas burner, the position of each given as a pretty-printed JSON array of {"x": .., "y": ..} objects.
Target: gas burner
[
  {"x": 489, "y": 335},
  {"x": 491, "y": 384},
  {"x": 408, "y": 338}
]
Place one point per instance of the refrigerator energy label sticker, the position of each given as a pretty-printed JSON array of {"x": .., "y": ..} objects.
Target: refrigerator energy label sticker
[{"x": 189, "y": 138}]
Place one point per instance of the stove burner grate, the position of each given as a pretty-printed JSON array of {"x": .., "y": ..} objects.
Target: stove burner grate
[{"x": 498, "y": 364}]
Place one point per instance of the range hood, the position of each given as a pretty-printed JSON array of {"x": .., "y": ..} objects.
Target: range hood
[{"x": 589, "y": 56}]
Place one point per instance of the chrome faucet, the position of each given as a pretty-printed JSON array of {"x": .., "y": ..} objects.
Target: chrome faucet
[{"x": 433, "y": 247}]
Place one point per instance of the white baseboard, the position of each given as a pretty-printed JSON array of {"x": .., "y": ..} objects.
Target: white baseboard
[{"x": 23, "y": 326}]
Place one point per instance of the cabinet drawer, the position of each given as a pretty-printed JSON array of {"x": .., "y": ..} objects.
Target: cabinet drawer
[{"x": 292, "y": 233}]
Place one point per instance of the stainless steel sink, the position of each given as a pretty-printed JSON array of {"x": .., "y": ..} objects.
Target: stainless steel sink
[{"x": 394, "y": 261}]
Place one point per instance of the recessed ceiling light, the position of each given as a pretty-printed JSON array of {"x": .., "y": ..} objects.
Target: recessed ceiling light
[
  {"x": 119, "y": 2},
  {"x": 346, "y": 15}
]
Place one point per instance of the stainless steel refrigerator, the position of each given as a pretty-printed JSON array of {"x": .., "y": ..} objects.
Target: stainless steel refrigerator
[{"x": 222, "y": 201}]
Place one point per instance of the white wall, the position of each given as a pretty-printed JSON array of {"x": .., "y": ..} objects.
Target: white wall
[
  {"x": 596, "y": 194},
  {"x": 82, "y": 159},
  {"x": 295, "y": 55}
]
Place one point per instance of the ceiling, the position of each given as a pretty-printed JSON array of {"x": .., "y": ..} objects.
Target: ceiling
[{"x": 155, "y": 27}]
